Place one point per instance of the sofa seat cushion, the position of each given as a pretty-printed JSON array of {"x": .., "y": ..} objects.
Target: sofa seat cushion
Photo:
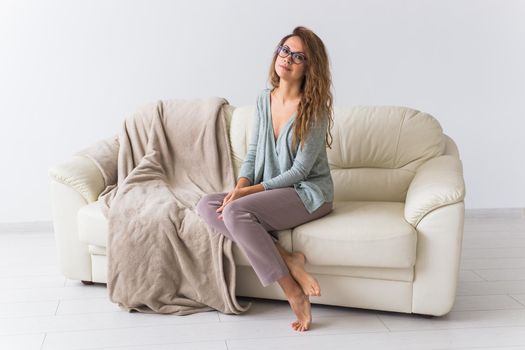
[{"x": 359, "y": 233}]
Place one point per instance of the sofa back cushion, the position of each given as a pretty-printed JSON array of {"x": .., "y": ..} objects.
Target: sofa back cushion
[{"x": 375, "y": 150}]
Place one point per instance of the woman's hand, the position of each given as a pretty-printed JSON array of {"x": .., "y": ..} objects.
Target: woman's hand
[{"x": 234, "y": 194}]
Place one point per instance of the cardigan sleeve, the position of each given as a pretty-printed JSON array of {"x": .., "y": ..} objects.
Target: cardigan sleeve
[
  {"x": 247, "y": 169},
  {"x": 303, "y": 161}
]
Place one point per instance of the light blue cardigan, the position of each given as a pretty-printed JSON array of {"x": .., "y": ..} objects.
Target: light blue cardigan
[{"x": 274, "y": 165}]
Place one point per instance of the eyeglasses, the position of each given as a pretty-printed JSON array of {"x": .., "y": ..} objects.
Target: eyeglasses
[{"x": 284, "y": 51}]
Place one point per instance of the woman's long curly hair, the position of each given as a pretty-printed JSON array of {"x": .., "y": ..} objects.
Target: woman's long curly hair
[{"x": 316, "y": 98}]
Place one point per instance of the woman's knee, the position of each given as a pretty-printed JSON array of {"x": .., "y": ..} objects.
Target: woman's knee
[
  {"x": 236, "y": 209},
  {"x": 204, "y": 205},
  {"x": 231, "y": 208}
]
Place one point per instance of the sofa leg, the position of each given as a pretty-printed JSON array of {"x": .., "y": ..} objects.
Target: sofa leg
[{"x": 88, "y": 282}]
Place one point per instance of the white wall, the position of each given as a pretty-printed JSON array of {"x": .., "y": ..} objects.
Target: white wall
[{"x": 70, "y": 71}]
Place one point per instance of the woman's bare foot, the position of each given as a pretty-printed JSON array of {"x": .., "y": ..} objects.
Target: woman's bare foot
[
  {"x": 299, "y": 302},
  {"x": 308, "y": 283},
  {"x": 295, "y": 262},
  {"x": 302, "y": 309}
]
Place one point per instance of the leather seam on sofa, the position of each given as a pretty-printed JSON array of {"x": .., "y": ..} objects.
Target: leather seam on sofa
[
  {"x": 69, "y": 181},
  {"x": 394, "y": 159},
  {"x": 435, "y": 208}
]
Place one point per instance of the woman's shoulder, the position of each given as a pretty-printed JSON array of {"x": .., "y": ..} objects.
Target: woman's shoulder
[
  {"x": 261, "y": 96},
  {"x": 263, "y": 92}
]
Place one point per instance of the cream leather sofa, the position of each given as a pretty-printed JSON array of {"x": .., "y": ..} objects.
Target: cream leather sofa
[{"x": 392, "y": 242}]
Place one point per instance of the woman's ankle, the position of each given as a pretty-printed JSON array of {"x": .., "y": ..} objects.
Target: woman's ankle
[{"x": 290, "y": 286}]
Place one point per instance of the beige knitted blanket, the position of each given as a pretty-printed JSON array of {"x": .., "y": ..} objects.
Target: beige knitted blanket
[{"x": 162, "y": 256}]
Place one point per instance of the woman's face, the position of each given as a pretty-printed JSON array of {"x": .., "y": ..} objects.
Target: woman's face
[{"x": 285, "y": 67}]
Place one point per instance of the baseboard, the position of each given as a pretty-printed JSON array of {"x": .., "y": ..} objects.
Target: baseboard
[
  {"x": 27, "y": 227},
  {"x": 516, "y": 213}
]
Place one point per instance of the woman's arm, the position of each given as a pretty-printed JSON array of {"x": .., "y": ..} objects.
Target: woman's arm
[
  {"x": 253, "y": 189},
  {"x": 243, "y": 182}
]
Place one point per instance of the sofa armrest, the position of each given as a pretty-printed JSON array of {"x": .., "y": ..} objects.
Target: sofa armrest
[
  {"x": 437, "y": 183},
  {"x": 81, "y": 174},
  {"x": 90, "y": 170},
  {"x": 73, "y": 184}
]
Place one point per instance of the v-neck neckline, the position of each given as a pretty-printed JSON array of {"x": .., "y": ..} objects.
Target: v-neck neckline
[{"x": 276, "y": 140}]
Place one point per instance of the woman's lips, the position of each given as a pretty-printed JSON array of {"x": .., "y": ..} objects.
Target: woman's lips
[{"x": 284, "y": 67}]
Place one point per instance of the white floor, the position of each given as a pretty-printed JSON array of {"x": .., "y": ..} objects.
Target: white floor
[{"x": 41, "y": 309}]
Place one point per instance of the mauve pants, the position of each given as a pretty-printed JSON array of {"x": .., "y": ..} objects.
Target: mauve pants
[{"x": 251, "y": 222}]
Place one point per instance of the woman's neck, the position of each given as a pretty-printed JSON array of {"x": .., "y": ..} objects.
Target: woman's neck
[{"x": 286, "y": 93}]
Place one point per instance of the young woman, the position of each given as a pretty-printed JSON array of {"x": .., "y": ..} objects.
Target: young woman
[{"x": 285, "y": 179}]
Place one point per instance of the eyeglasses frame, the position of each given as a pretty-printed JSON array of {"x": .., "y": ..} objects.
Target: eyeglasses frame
[{"x": 280, "y": 47}]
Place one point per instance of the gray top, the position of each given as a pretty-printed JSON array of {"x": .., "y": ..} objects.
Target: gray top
[{"x": 273, "y": 164}]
